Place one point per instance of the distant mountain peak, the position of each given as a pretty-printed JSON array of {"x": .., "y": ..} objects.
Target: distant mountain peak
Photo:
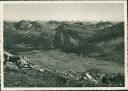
[{"x": 28, "y": 26}]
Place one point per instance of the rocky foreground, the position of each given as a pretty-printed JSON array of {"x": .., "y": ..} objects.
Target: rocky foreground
[{"x": 27, "y": 74}]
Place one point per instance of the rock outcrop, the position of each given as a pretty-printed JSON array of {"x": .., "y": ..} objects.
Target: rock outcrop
[{"x": 15, "y": 61}]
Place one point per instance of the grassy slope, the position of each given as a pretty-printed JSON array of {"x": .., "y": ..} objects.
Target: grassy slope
[{"x": 33, "y": 78}]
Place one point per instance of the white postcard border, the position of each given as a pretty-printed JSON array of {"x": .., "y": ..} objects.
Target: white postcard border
[{"x": 62, "y": 88}]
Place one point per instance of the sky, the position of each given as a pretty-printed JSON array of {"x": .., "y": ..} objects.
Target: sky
[{"x": 65, "y": 12}]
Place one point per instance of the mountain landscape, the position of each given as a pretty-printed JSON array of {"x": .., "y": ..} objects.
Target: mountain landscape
[{"x": 93, "y": 49}]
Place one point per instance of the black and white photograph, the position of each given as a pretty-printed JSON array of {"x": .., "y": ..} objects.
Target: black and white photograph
[{"x": 63, "y": 45}]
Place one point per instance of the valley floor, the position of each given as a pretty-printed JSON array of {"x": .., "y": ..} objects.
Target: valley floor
[{"x": 65, "y": 62}]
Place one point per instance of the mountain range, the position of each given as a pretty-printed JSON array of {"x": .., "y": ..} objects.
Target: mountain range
[{"x": 102, "y": 40}]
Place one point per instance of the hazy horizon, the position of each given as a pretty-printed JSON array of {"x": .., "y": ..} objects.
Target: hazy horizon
[{"x": 65, "y": 12}]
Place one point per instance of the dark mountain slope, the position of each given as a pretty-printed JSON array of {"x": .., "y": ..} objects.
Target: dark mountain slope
[
  {"x": 109, "y": 33},
  {"x": 65, "y": 38},
  {"x": 103, "y": 24},
  {"x": 107, "y": 43}
]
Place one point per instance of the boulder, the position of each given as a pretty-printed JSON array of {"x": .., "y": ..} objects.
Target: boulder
[{"x": 10, "y": 65}]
